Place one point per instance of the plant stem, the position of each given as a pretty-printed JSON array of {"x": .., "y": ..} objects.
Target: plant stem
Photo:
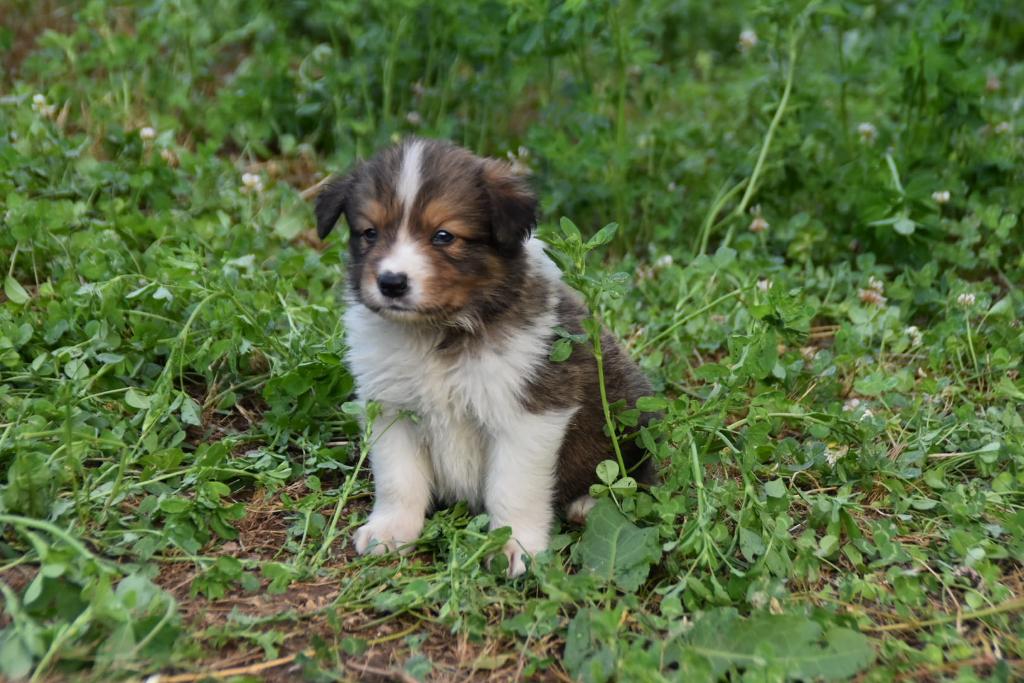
[
  {"x": 63, "y": 635},
  {"x": 41, "y": 525},
  {"x": 687, "y": 318},
  {"x": 970, "y": 346},
  {"x": 346, "y": 492},
  {"x": 599, "y": 357},
  {"x": 1009, "y": 606},
  {"x": 766, "y": 144}
]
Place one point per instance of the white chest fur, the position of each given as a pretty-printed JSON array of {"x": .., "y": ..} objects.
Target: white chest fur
[{"x": 462, "y": 402}]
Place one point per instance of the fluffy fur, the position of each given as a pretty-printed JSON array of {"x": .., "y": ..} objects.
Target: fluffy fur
[{"x": 451, "y": 318}]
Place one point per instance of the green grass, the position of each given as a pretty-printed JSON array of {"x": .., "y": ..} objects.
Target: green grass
[{"x": 842, "y": 449}]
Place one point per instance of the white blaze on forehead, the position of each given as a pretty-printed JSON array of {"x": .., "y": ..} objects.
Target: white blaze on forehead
[
  {"x": 405, "y": 255},
  {"x": 409, "y": 178}
]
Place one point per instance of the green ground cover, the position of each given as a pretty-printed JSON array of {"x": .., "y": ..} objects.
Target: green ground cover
[{"x": 819, "y": 210}]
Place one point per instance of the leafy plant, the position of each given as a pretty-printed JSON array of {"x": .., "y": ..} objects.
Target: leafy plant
[{"x": 818, "y": 265}]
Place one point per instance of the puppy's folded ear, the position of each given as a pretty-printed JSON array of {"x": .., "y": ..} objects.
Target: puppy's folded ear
[
  {"x": 330, "y": 203},
  {"x": 513, "y": 205}
]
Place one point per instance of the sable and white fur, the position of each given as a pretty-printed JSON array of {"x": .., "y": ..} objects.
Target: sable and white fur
[{"x": 451, "y": 319}]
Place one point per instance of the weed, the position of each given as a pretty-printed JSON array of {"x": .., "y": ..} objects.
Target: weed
[{"x": 819, "y": 211}]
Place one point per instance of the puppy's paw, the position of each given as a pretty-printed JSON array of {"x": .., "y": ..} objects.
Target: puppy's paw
[
  {"x": 516, "y": 553},
  {"x": 516, "y": 556},
  {"x": 384, "y": 533},
  {"x": 579, "y": 509}
]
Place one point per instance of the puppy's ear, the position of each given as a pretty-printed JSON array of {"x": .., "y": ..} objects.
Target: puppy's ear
[
  {"x": 331, "y": 202},
  {"x": 513, "y": 205}
]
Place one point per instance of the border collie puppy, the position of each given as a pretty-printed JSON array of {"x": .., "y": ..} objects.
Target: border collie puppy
[{"x": 451, "y": 317}]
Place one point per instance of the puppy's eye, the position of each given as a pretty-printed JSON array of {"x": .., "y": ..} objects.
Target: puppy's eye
[
  {"x": 442, "y": 237},
  {"x": 370, "y": 235}
]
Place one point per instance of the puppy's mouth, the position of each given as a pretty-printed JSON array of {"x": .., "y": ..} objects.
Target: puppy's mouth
[
  {"x": 412, "y": 314},
  {"x": 400, "y": 312}
]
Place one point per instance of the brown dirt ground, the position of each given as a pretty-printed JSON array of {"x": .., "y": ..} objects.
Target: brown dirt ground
[{"x": 262, "y": 532}]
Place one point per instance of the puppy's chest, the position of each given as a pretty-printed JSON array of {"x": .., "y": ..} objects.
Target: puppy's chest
[
  {"x": 482, "y": 387},
  {"x": 463, "y": 403}
]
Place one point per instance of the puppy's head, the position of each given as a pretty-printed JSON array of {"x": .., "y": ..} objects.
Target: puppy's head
[{"x": 437, "y": 234}]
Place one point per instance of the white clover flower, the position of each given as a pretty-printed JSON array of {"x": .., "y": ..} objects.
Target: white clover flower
[
  {"x": 834, "y": 455},
  {"x": 148, "y": 133},
  {"x": 251, "y": 182},
  {"x": 671, "y": 187},
  {"x": 871, "y": 296},
  {"x": 169, "y": 156},
  {"x": 748, "y": 41},
  {"x": 764, "y": 284},
  {"x": 663, "y": 261},
  {"x": 759, "y": 224},
  {"x": 992, "y": 83},
  {"x": 867, "y": 132},
  {"x": 966, "y": 299},
  {"x": 414, "y": 118},
  {"x": 941, "y": 197},
  {"x": 876, "y": 284},
  {"x": 518, "y": 159},
  {"x": 915, "y": 336},
  {"x": 1003, "y": 128},
  {"x": 851, "y": 405},
  {"x": 40, "y": 106}
]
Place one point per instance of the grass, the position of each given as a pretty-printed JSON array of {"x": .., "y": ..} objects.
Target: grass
[{"x": 820, "y": 230}]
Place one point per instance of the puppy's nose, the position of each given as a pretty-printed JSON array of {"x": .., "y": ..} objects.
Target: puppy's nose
[{"x": 393, "y": 285}]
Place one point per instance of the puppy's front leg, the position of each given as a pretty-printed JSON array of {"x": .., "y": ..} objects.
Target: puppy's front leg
[
  {"x": 403, "y": 480},
  {"x": 521, "y": 472}
]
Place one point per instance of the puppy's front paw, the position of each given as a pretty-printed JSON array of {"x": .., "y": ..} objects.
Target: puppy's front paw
[
  {"x": 516, "y": 558},
  {"x": 387, "y": 532},
  {"x": 516, "y": 553}
]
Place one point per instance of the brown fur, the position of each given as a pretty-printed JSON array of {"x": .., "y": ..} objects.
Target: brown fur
[{"x": 484, "y": 277}]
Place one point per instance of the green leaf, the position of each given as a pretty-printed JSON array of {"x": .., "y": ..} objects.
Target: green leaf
[
  {"x": 136, "y": 399},
  {"x": 904, "y": 226},
  {"x": 624, "y": 486},
  {"x": 751, "y": 544},
  {"x": 827, "y": 545},
  {"x": 651, "y": 404},
  {"x": 175, "y": 506},
  {"x": 603, "y": 236},
  {"x": 76, "y": 369},
  {"x": 793, "y": 643},
  {"x": 570, "y": 230},
  {"x": 15, "y": 657},
  {"x": 190, "y": 412},
  {"x": 290, "y": 225},
  {"x": 775, "y": 488},
  {"x": 14, "y": 291},
  {"x": 615, "y": 549},
  {"x": 587, "y": 658},
  {"x": 560, "y": 350},
  {"x": 608, "y": 471}
]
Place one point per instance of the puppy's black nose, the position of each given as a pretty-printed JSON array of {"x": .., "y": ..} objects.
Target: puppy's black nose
[{"x": 393, "y": 285}]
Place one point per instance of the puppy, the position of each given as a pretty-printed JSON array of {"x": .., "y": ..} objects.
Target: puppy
[{"x": 451, "y": 317}]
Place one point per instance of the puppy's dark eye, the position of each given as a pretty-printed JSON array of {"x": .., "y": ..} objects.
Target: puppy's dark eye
[
  {"x": 442, "y": 237},
  {"x": 370, "y": 235}
]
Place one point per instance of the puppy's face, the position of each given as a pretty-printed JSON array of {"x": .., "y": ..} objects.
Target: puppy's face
[{"x": 436, "y": 232}]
